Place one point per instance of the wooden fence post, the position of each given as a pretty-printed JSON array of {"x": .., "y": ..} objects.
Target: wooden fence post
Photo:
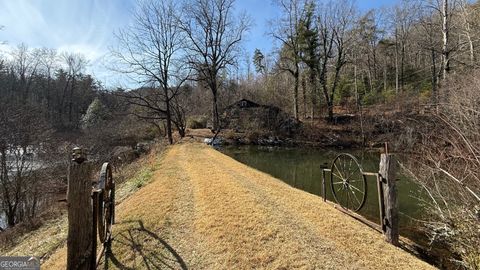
[
  {"x": 94, "y": 228},
  {"x": 79, "y": 239},
  {"x": 387, "y": 172}
]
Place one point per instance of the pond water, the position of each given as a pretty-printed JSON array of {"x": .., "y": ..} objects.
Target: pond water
[{"x": 302, "y": 168}]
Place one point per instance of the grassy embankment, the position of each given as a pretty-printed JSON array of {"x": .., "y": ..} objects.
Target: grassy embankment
[
  {"x": 51, "y": 235},
  {"x": 204, "y": 210}
]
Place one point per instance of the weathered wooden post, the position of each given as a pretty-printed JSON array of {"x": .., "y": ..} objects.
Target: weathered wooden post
[
  {"x": 95, "y": 202},
  {"x": 387, "y": 172},
  {"x": 79, "y": 239}
]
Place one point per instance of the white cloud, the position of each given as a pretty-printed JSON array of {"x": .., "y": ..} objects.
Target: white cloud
[{"x": 80, "y": 26}]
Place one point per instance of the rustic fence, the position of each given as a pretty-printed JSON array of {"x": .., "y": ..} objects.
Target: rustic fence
[
  {"x": 91, "y": 213},
  {"x": 348, "y": 183}
]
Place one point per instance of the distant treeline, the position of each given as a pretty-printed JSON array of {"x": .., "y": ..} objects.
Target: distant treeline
[{"x": 51, "y": 84}]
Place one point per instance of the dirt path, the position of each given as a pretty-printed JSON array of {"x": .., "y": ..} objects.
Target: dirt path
[{"x": 204, "y": 210}]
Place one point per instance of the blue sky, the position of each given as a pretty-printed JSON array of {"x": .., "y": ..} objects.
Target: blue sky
[{"x": 87, "y": 26}]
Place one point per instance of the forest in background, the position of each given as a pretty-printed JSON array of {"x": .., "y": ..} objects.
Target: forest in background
[{"x": 410, "y": 70}]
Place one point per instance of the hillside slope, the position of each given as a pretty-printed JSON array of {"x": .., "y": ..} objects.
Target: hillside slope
[{"x": 204, "y": 210}]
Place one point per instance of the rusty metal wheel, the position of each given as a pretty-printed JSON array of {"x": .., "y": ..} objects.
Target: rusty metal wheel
[
  {"x": 348, "y": 184},
  {"x": 106, "y": 202}
]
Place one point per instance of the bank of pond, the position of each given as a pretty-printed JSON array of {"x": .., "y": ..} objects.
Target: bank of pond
[{"x": 302, "y": 168}]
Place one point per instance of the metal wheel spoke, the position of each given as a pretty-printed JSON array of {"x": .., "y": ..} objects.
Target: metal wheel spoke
[
  {"x": 354, "y": 195},
  {"x": 341, "y": 175},
  {"x": 355, "y": 180},
  {"x": 357, "y": 189},
  {"x": 352, "y": 173},
  {"x": 338, "y": 176}
]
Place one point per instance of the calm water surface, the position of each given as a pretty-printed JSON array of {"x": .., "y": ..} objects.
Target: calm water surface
[{"x": 301, "y": 168}]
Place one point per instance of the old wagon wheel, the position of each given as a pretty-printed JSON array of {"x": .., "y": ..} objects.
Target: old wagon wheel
[
  {"x": 349, "y": 185},
  {"x": 106, "y": 202}
]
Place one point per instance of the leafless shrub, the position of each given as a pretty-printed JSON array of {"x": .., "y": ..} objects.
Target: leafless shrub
[{"x": 448, "y": 167}]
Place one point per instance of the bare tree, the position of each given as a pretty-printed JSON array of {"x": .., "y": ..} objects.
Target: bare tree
[
  {"x": 150, "y": 50},
  {"x": 215, "y": 35},
  {"x": 22, "y": 132},
  {"x": 446, "y": 34},
  {"x": 405, "y": 16},
  {"x": 75, "y": 64},
  {"x": 41, "y": 78},
  {"x": 24, "y": 65},
  {"x": 287, "y": 31},
  {"x": 368, "y": 38},
  {"x": 335, "y": 25},
  {"x": 429, "y": 41},
  {"x": 48, "y": 63},
  {"x": 466, "y": 13}
]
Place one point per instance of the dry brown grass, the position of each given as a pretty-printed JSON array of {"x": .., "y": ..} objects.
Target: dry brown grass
[
  {"x": 50, "y": 237},
  {"x": 40, "y": 242},
  {"x": 205, "y": 210}
]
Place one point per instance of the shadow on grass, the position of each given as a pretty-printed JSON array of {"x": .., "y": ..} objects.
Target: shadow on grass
[{"x": 145, "y": 249}]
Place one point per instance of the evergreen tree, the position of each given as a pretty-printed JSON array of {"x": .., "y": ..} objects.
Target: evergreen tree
[{"x": 259, "y": 61}]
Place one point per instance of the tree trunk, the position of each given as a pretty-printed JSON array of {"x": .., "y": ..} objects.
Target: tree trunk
[
  {"x": 10, "y": 213},
  {"x": 295, "y": 95},
  {"x": 359, "y": 104},
  {"x": 336, "y": 79},
  {"x": 402, "y": 68},
  {"x": 445, "y": 34},
  {"x": 434, "y": 76},
  {"x": 370, "y": 84},
  {"x": 357, "y": 96},
  {"x": 328, "y": 100},
  {"x": 330, "y": 110},
  {"x": 304, "y": 93},
  {"x": 70, "y": 104},
  {"x": 169, "y": 124},
  {"x": 48, "y": 96},
  {"x": 467, "y": 30},
  {"x": 169, "y": 115},
  {"x": 33, "y": 208},
  {"x": 313, "y": 85},
  {"x": 375, "y": 75},
  {"x": 396, "y": 62},
  {"x": 384, "y": 76},
  {"x": 63, "y": 101},
  {"x": 181, "y": 129},
  {"x": 472, "y": 50},
  {"x": 215, "y": 116}
]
